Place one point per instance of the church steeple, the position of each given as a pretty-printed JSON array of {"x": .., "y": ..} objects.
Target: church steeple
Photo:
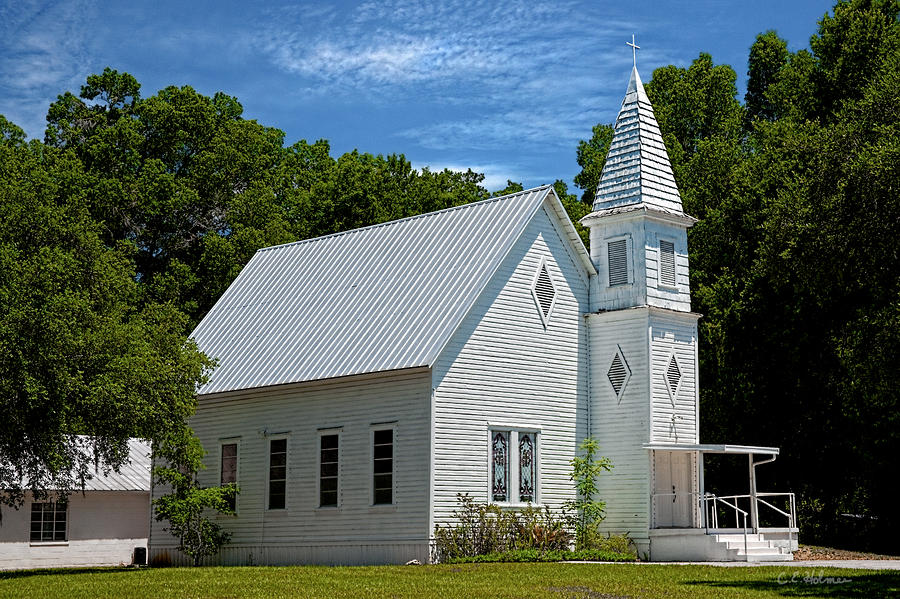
[
  {"x": 637, "y": 169},
  {"x": 638, "y": 226}
]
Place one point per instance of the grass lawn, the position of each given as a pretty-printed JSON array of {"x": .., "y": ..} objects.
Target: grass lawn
[{"x": 557, "y": 581}]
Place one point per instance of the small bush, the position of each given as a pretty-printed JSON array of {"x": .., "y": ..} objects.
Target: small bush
[{"x": 485, "y": 528}]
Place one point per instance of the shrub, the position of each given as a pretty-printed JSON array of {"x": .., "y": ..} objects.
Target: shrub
[{"x": 482, "y": 529}]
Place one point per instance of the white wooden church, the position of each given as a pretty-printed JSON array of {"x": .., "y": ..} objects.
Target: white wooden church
[{"x": 365, "y": 378}]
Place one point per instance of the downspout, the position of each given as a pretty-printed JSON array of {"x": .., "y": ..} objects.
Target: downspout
[{"x": 754, "y": 513}]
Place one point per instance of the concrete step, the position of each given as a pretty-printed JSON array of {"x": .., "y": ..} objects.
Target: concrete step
[
  {"x": 734, "y": 538},
  {"x": 768, "y": 557}
]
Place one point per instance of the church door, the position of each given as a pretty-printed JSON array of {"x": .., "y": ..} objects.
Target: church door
[{"x": 673, "y": 499}]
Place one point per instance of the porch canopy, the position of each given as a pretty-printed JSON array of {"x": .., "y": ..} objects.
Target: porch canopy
[
  {"x": 710, "y": 448},
  {"x": 750, "y": 451}
]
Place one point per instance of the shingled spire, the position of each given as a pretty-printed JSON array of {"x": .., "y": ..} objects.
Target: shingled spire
[{"x": 637, "y": 172}]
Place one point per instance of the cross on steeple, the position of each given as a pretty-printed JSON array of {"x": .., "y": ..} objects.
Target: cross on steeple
[{"x": 634, "y": 49}]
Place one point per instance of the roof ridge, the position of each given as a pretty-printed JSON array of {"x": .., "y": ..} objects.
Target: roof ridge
[{"x": 408, "y": 218}]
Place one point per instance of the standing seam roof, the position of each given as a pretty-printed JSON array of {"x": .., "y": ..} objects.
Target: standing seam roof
[{"x": 380, "y": 298}]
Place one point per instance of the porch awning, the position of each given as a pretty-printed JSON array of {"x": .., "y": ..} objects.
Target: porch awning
[{"x": 707, "y": 448}]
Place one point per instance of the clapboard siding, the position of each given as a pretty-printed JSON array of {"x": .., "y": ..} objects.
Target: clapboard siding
[
  {"x": 304, "y": 533},
  {"x": 631, "y": 226},
  {"x": 104, "y": 527},
  {"x": 673, "y": 419},
  {"x": 503, "y": 368},
  {"x": 678, "y": 298},
  {"x": 621, "y": 425}
]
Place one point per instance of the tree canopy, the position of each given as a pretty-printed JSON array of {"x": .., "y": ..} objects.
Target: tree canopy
[{"x": 794, "y": 262}]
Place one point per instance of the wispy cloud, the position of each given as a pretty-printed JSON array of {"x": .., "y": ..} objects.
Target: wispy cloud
[
  {"x": 506, "y": 63},
  {"x": 44, "y": 50}
]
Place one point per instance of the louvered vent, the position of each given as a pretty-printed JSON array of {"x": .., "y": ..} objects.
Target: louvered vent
[
  {"x": 618, "y": 262},
  {"x": 673, "y": 376},
  {"x": 666, "y": 263},
  {"x": 618, "y": 373},
  {"x": 544, "y": 291}
]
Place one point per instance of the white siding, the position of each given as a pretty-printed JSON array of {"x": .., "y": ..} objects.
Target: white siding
[
  {"x": 621, "y": 426},
  {"x": 356, "y": 532},
  {"x": 103, "y": 528},
  {"x": 679, "y": 297},
  {"x": 503, "y": 368},
  {"x": 674, "y": 419},
  {"x": 619, "y": 296}
]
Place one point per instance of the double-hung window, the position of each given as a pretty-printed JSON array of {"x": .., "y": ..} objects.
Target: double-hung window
[
  {"x": 277, "y": 474},
  {"x": 48, "y": 521},
  {"x": 383, "y": 466},
  {"x": 229, "y": 468},
  {"x": 329, "y": 468},
  {"x": 513, "y": 466}
]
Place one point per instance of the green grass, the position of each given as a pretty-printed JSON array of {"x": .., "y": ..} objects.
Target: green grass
[{"x": 556, "y": 581}]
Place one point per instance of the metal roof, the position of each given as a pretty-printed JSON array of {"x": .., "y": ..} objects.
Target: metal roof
[
  {"x": 380, "y": 298},
  {"x": 708, "y": 448},
  {"x": 637, "y": 168},
  {"x": 134, "y": 475}
]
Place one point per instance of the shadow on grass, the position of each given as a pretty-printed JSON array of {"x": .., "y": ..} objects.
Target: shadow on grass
[
  {"x": 815, "y": 584},
  {"x": 12, "y": 574}
]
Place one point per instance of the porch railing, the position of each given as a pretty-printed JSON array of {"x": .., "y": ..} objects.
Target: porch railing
[{"x": 716, "y": 511}]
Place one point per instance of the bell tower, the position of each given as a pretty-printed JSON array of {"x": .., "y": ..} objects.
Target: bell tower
[{"x": 643, "y": 335}]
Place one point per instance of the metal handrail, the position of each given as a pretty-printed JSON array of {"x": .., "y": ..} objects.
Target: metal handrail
[
  {"x": 708, "y": 506},
  {"x": 715, "y": 499}
]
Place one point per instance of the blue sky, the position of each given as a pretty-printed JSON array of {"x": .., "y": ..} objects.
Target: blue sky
[{"x": 505, "y": 88}]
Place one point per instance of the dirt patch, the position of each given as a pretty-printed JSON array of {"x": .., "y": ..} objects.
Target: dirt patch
[{"x": 810, "y": 552}]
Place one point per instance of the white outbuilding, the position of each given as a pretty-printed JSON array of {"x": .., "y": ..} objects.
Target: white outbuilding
[
  {"x": 105, "y": 525},
  {"x": 368, "y": 377}
]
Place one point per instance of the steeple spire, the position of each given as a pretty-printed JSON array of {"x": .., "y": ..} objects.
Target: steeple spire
[{"x": 637, "y": 169}]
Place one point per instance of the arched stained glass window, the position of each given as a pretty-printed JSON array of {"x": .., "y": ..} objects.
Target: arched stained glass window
[
  {"x": 500, "y": 466},
  {"x": 526, "y": 467}
]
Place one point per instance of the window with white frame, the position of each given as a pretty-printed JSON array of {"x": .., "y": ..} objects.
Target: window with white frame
[
  {"x": 277, "y": 474},
  {"x": 48, "y": 521},
  {"x": 329, "y": 468},
  {"x": 383, "y": 466},
  {"x": 513, "y": 466},
  {"x": 228, "y": 467}
]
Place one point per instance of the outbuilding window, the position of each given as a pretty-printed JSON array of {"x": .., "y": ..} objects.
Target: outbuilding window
[{"x": 48, "y": 521}]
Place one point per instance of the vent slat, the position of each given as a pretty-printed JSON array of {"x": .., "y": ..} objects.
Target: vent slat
[
  {"x": 666, "y": 263},
  {"x": 618, "y": 262},
  {"x": 618, "y": 373},
  {"x": 544, "y": 291},
  {"x": 673, "y": 376}
]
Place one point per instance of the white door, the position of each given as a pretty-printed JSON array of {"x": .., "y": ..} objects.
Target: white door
[{"x": 672, "y": 501}]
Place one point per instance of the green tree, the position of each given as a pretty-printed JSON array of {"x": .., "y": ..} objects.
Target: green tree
[
  {"x": 83, "y": 366},
  {"x": 768, "y": 56},
  {"x": 591, "y": 156},
  {"x": 187, "y": 507},
  {"x": 590, "y": 511}
]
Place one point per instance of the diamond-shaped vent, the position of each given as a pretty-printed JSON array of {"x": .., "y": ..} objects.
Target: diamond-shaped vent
[
  {"x": 544, "y": 292},
  {"x": 673, "y": 376},
  {"x": 618, "y": 373}
]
